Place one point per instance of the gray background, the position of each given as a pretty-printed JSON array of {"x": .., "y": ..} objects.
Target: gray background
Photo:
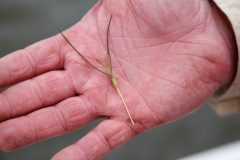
[{"x": 23, "y": 22}]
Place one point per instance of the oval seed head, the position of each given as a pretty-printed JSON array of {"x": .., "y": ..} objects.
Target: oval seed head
[{"x": 114, "y": 81}]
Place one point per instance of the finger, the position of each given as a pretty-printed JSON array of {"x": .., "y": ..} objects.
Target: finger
[
  {"x": 106, "y": 136},
  {"x": 66, "y": 116},
  {"x": 30, "y": 95},
  {"x": 26, "y": 63}
]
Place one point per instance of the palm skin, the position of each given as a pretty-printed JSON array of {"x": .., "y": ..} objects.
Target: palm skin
[{"x": 169, "y": 58}]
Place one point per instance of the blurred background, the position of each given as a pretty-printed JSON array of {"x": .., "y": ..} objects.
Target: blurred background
[{"x": 27, "y": 21}]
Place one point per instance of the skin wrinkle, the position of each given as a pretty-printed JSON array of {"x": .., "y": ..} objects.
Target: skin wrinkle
[
  {"x": 91, "y": 147},
  {"x": 33, "y": 128},
  {"x": 168, "y": 6},
  {"x": 200, "y": 57},
  {"x": 133, "y": 133},
  {"x": 108, "y": 139},
  {"x": 159, "y": 35},
  {"x": 207, "y": 20},
  {"x": 162, "y": 61},
  {"x": 153, "y": 45},
  {"x": 81, "y": 88},
  {"x": 142, "y": 127},
  {"x": 171, "y": 112},
  {"x": 142, "y": 98},
  {"x": 131, "y": 41},
  {"x": 31, "y": 61},
  {"x": 9, "y": 76},
  {"x": 163, "y": 117},
  {"x": 70, "y": 62},
  {"x": 209, "y": 78},
  {"x": 158, "y": 119},
  {"x": 9, "y": 107},
  {"x": 125, "y": 34},
  {"x": 131, "y": 7},
  {"x": 38, "y": 103},
  {"x": 162, "y": 7},
  {"x": 51, "y": 128},
  {"x": 67, "y": 78},
  {"x": 80, "y": 149},
  {"x": 200, "y": 75},
  {"x": 101, "y": 42},
  {"x": 121, "y": 68},
  {"x": 35, "y": 83},
  {"x": 95, "y": 87},
  {"x": 95, "y": 108},
  {"x": 198, "y": 11},
  {"x": 102, "y": 139},
  {"x": 161, "y": 78},
  {"x": 187, "y": 42},
  {"x": 165, "y": 33},
  {"x": 57, "y": 59},
  {"x": 186, "y": 33},
  {"x": 196, "y": 69},
  {"x": 203, "y": 58},
  {"x": 15, "y": 70},
  {"x": 74, "y": 90},
  {"x": 9, "y": 103},
  {"x": 89, "y": 106},
  {"x": 181, "y": 28},
  {"x": 61, "y": 118}
]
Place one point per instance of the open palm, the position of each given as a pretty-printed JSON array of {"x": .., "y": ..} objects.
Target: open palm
[{"x": 168, "y": 57}]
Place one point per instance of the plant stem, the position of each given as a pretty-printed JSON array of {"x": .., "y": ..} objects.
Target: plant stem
[{"x": 125, "y": 105}]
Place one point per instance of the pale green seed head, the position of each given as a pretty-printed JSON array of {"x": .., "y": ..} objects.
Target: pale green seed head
[{"x": 114, "y": 81}]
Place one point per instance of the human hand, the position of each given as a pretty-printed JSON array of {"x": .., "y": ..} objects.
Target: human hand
[{"x": 168, "y": 57}]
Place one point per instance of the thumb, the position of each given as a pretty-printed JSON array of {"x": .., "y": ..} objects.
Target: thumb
[{"x": 101, "y": 140}]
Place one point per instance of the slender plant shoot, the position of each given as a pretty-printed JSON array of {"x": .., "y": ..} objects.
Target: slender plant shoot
[{"x": 109, "y": 69}]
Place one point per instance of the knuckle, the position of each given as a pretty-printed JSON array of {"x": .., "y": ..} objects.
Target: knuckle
[
  {"x": 116, "y": 133},
  {"x": 76, "y": 112},
  {"x": 96, "y": 146}
]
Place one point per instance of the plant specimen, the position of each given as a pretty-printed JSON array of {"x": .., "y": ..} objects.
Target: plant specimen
[{"x": 109, "y": 69}]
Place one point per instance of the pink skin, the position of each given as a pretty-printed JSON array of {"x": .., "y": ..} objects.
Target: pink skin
[{"x": 169, "y": 58}]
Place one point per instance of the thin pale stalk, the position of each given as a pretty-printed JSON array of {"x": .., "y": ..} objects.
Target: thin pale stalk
[{"x": 125, "y": 105}]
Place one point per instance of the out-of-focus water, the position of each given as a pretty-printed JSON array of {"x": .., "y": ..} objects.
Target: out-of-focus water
[{"x": 27, "y": 21}]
